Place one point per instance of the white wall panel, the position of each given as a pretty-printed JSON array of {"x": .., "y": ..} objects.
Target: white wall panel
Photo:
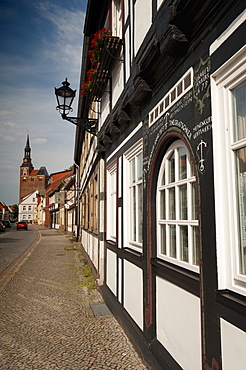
[
  {"x": 127, "y": 54},
  {"x": 133, "y": 292},
  {"x": 233, "y": 347},
  {"x": 117, "y": 80},
  {"x": 120, "y": 281},
  {"x": 143, "y": 18},
  {"x": 90, "y": 244},
  {"x": 111, "y": 271},
  {"x": 179, "y": 324}
]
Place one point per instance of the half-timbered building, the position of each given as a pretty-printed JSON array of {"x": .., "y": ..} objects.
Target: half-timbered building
[{"x": 161, "y": 177}]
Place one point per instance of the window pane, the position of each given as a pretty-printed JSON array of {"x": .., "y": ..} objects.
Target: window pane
[
  {"x": 195, "y": 245},
  {"x": 162, "y": 205},
  {"x": 194, "y": 202},
  {"x": 133, "y": 173},
  {"x": 172, "y": 204},
  {"x": 182, "y": 163},
  {"x": 184, "y": 243},
  {"x": 183, "y": 202},
  {"x": 241, "y": 160},
  {"x": 133, "y": 219},
  {"x": 171, "y": 168},
  {"x": 140, "y": 213},
  {"x": 163, "y": 181},
  {"x": 140, "y": 166},
  {"x": 240, "y": 111},
  {"x": 163, "y": 239},
  {"x": 172, "y": 229}
]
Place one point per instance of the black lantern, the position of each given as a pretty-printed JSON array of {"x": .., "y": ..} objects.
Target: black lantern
[{"x": 65, "y": 96}]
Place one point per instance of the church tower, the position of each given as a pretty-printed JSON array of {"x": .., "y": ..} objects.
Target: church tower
[
  {"x": 27, "y": 166},
  {"x": 30, "y": 179}
]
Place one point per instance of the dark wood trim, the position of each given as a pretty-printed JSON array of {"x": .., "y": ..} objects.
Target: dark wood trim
[
  {"x": 232, "y": 300},
  {"x": 131, "y": 329},
  {"x": 185, "y": 279},
  {"x": 128, "y": 254},
  {"x": 163, "y": 356}
]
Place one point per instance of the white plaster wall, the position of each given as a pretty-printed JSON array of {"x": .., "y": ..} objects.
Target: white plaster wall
[
  {"x": 127, "y": 54},
  {"x": 120, "y": 280},
  {"x": 143, "y": 19},
  {"x": 117, "y": 80},
  {"x": 178, "y": 324},
  {"x": 233, "y": 346},
  {"x": 111, "y": 271},
  {"x": 133, "y": 292},
  {"x": 90, "y": 244}
]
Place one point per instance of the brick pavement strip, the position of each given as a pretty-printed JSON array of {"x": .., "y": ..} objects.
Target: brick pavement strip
[{"x": 46, "y": 320}]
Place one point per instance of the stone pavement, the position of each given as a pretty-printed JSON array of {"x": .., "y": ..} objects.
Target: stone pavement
[{"x": 51, "y": 316}]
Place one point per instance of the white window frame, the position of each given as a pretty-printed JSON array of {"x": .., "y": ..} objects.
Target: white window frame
[
  {"x": 111, "y": 201},
  {"x": 223, "y": 81},
  {"x": 133, "y": 152},
  {"x": 178, "y": 222}
]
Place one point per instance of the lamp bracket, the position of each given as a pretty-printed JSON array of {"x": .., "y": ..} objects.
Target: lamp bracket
[{"x": 88, "y": 124}]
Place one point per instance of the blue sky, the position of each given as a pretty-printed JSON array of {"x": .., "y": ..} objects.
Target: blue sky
[{"x": 40, "y": 45}]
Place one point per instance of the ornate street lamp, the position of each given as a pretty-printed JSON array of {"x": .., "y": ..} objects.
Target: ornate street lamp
[{"x": 65, "y": 96}]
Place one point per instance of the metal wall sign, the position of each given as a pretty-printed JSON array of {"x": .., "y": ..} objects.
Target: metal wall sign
[{"x": 59, "y": 197}]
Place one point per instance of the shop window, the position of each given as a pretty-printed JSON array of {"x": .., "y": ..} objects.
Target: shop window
[
  {"x": 111, "y": 200},
  {"x": 133, "y": 196},
  {"x": 177, "y": 210},
  {"x": 229, "y": 142}
]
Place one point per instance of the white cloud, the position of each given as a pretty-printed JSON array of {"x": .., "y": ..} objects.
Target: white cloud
[
  {"x": 27, "y": 100},
  {"x": 40, "y": 140}
]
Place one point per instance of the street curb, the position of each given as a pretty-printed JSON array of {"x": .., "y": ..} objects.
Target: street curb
[{"x": 9, "y": 272}]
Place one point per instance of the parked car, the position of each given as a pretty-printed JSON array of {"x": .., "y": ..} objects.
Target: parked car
[
  {"x": 21, "y": 225},
  {"x": 2, "y": 227},
  {"x": 6, "y": 223}
]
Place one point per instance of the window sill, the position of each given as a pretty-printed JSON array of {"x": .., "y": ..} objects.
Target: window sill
[
  {"x": 232, "y": 300},
  {"x": 185, "y": 279}
]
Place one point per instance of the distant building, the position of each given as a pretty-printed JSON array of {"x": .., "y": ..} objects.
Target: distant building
[
  {"x": 28, "y": 207},
  {"x": 55, "y": 199},
  {"x": 31, "y": 179},
  {"x": 5, "y": 212}
]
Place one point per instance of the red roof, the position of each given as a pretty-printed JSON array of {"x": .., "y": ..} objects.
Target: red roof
[
  {"x": 57, "y": 179},
  {"x": 34, "y": 172}
]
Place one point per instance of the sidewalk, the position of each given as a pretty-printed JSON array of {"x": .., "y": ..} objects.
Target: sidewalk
[{"x": 51, "y": 317}]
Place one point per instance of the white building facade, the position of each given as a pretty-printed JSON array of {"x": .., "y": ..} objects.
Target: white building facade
[
  {"x": 28, "y": 207},
  {"x": 161, "y": 186}
]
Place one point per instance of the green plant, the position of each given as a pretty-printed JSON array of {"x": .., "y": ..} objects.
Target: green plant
[{"x": 89, "y": 281}]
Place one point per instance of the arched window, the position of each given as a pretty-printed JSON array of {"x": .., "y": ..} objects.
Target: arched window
[{"x": 177, "y": 208}]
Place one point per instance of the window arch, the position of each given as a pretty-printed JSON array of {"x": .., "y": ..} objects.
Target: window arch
[{"x": 177, "y": 208}]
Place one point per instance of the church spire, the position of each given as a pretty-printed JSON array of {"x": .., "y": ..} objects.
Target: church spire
[{"x": 27, "y": 161}]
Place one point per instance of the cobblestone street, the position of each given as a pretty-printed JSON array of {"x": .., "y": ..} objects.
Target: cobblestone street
[{"x": 50, "y": 315}]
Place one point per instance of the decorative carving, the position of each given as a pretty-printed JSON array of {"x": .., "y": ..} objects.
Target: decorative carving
[
  {"x": 201, "y": 86},
  {"x": 140, "y": 92},
  {"x": 174, "y": 42}
]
